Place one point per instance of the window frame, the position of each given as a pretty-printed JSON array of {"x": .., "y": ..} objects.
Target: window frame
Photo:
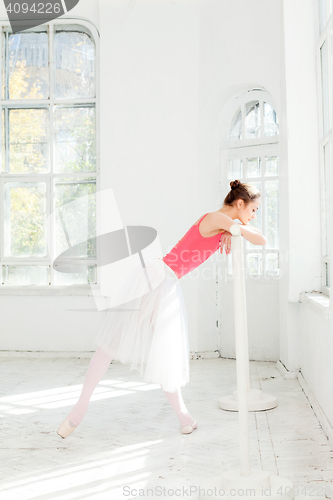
[
  {"x": 74, "y": 289},
  {"x": 326, "y": 205},
  {"x": 261, "y": 146}
]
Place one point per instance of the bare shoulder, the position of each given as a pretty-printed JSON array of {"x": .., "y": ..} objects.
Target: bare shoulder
[
  {"x": 215, "y": 223},
  {"x": 214, "y": 220},
  {"x": 209, "y": 225},
  {"x": 212, "y": 223}
]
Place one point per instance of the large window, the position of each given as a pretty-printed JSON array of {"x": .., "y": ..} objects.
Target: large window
[
  {"x": 250, "y": 153},
  {"x": 48, "y": 154},
  {"x": 325, "y": 85}
]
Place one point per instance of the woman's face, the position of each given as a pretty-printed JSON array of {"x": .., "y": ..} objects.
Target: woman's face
[{"x": 247, "y": 212}]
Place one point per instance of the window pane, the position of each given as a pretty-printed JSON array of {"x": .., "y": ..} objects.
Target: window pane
[
  {"x": 271, "y": 120},
  {"x": 75, "y": 144},
  {"x": 252, "y": 120},
  {"x": 28, "y": 140},
  {"x": 28, "y": 66},
  {"x": 272, "y": 264},
  {"x": 75, "y": 205},
  {"x": 235, "y": 169},
  {"x": 327, "y": 179},
  {"x": 257, "y": 222},
  {"x": 253, "y": 263},
  {"x": 272, "y": 165},
  {"x": 81, "y": 275},
  {"x": 322, "y": 15},
  {"x": 74, "y": 58},
  {"x": 272, "y": 213},
  {"x": 324, "y": 85},
  {"x": 253, "y": 167},
  {"x": 24, "y": 219},
  {"x": 235, "y": 131},
  {"x": 26, "y": 275}
]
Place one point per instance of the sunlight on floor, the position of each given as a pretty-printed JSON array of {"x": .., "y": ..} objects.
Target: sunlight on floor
[
  {"x": 124, "y": 460},
  {"x": 68, "y": 396},
  {"x": 134, "y": 441}
]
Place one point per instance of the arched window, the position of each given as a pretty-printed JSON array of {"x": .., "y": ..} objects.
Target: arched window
[
  {"x": 48, "y": 155},
  {"x": 249, "y": 151}
]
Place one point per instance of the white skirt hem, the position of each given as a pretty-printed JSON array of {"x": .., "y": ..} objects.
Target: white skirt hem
[{"x": 150, "y": 333}]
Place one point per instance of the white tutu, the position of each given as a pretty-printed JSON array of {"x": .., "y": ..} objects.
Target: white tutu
[{"x": 150, "y": 332}]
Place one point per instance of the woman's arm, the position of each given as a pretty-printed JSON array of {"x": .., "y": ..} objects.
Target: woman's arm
[
  {"x": 223, "y": 221},
  {"x": 253, "y": 235},
  {"x": 255, "y": 229}
]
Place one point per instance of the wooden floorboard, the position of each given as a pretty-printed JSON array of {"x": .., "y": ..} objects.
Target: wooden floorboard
[{"x": 130, "y": 438}]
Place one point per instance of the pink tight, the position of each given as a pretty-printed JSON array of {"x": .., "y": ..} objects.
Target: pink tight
[
  {"x": 177, "y": 403},
  {"x": 97, "y": 368}
]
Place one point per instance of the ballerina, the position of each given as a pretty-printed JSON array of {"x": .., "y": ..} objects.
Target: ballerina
[{"x": 151, "y": 335}]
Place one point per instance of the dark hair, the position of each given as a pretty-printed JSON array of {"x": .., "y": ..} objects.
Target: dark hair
[{"x": 240, "y": 191}]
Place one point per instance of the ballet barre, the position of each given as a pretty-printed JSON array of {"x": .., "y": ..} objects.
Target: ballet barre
[{"x": 244, "y": 483}]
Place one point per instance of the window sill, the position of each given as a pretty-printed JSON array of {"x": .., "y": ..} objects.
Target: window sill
[
  {"x": 318, "y": 302},
  {"x": 78, "y": 290}
]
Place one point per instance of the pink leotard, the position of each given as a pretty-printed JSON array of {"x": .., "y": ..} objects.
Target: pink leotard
[{"x": 191, "y": 250}]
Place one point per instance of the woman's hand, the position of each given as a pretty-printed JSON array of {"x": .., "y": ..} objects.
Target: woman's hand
[{"x": 225, "y": 242}]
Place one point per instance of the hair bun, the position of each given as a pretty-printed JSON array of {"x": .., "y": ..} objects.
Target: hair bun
[{"x": 235, "y": 184}]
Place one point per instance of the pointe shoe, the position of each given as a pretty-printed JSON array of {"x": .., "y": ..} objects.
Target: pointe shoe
[
  {"x": 187, "y": 429},
  {"x": 65, "y": 428}
]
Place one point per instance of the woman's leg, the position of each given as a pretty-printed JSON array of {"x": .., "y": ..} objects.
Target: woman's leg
[
  {"x": 177, "y": 403},
  {"x": 97, "y": 368}
]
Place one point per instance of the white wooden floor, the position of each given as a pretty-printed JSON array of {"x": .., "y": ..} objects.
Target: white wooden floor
[{"x": 130, "y": 437}]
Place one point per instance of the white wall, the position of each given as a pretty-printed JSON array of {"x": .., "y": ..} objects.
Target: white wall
[
  {"x": 149, "y": 121},
  {"x": 306, "y": 340},
  {"x": 316, "y": 356},
  {"x": 239, "y": 50},
  {"x": 300, "y": 240},
  {"x": 174, "y": 64},
  {"x": 166, "y": 70},
  {"x": 148, "y": 150}
]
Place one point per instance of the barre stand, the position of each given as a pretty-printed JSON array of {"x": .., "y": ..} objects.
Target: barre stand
[
  {"x": 244, "y": 483},
  {"x": 257, "y": 400}
]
